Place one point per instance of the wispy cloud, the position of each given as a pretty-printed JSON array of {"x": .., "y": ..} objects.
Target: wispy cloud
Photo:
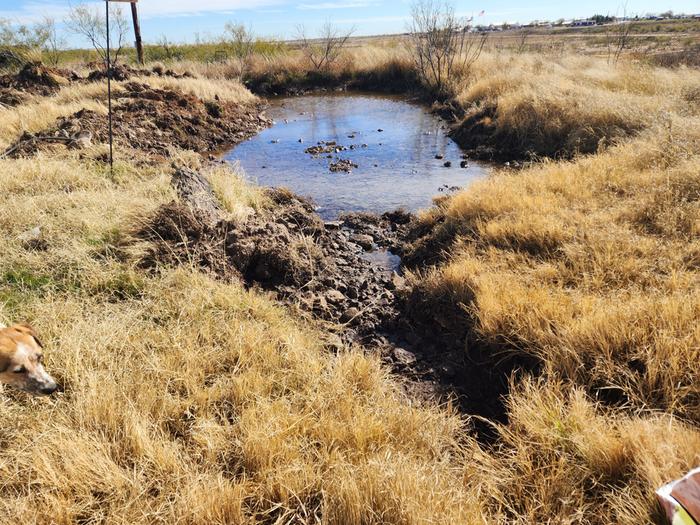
[
  {"x": 333, "y": 5},
  {"x": 32, "y": 11}
]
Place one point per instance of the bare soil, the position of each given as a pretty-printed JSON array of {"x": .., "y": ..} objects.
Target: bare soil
[
  {"x": 153, "y": 120},
  {"x": 320, "y": 270}
]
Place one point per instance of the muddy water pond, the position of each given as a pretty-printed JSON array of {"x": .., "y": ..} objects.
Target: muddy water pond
[{"x": 356, "y": 153}]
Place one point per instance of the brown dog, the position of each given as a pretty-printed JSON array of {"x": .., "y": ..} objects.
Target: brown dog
[{"x": 20, "y": 361}]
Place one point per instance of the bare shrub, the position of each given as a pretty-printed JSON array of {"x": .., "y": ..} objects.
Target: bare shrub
[
  {"x": 241, "y": 39},
  {"x": 165, "y": 50},
  {"x": 23, "y": 43},
  {"x": 54, "y": 41},
  {"x": 442, "y": 44},
  {"x": 618, "y": 37},
  {"x": 89, "y": 22},
  {"x": 324, "y": 51},
  {"x": 522, "y": 40}
]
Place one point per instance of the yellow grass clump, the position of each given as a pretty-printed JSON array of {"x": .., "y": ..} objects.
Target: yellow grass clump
[
  {"x": 587, "y": 266},
  {"x": 189, "y": 400},
  {"x": 547, "y": 106}
]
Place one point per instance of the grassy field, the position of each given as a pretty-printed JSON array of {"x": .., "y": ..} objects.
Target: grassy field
[{"x": 190, "y": 400}]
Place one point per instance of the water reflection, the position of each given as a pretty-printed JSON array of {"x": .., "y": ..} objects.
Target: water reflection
[{"x": 396, "y": 147}]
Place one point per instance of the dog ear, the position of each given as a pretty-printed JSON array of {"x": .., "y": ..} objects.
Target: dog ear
[
  {"x": 4, "y": 355},
  {"x": 24, "y": 327},
  {"x": 4, "y": 363},
  {"x": 27, "y": 329}
]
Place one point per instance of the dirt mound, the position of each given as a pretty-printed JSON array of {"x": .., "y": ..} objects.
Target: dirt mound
[
  {"x": 36, "y": 79},
  {"x": 124, "y": 72},
  {"x": 316, "y": 266},
  {"x": 119, "y": 73},
  {"x": 323, "y": 270},
  {"x": 11, "y": 97},
  {"x": 153, "y": 120}
]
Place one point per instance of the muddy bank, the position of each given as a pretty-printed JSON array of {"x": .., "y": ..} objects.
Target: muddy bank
[
  {"x": 153, "y": 120},
  {"x": 321, "y": 269},
  {"x": 393, "y": 77},
  {"x": 32, "y": 79},
  {"x": 487, "y": 135}
]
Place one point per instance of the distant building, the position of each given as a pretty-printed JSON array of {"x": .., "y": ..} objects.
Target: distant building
[{"x": 583, "y": 23}]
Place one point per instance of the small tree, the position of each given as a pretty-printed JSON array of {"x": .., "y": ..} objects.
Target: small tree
[
  {"x": 522, "y": 41},
  {"x": 241, "y": 39},
  {"x": 22, "y": 43},
  {"x": 618, "y": 37},
  {"x": 89, "y": 22},
  {"x": 324, "y": 51},
  {"x": 442, "y": 45},
  {"x": 54, "y": 40},
  {"x": 164, "y": 49}
]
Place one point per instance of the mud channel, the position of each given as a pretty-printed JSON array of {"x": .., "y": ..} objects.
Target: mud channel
[{"x": 349, "y": 171}]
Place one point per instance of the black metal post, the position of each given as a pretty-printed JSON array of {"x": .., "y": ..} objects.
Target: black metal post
[{"x": 109, "y": 90}]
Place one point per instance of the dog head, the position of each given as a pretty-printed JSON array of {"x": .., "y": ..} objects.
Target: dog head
[{"x": 21, "y": 361}]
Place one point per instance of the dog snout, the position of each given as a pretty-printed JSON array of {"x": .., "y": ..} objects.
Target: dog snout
[{"x": 48, "y": 389}]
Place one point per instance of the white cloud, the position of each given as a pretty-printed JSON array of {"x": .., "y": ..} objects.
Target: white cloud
[
  {"x": 34, "y": 10},
  {"x": 333, "y": 5}
]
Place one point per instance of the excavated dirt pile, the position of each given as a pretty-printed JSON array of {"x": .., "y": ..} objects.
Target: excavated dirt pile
[
  {"x": 153, "y": 120},
  {"x": 316, "y": 266},
  {"x": 323, "y": 270},
  {"x": 32, "y": 79}
]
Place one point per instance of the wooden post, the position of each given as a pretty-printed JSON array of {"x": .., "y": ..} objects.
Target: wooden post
[
  {"x": 137, "y": 32},
  {"x": 137, "y": 28}
]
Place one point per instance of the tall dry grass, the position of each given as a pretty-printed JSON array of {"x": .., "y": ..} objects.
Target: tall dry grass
[
  {"x": 193, "y": 401},
  {"x": 188, "y": 400},
  {"x": 587, "y": 269},
  {"x": 559, "y": 107}
]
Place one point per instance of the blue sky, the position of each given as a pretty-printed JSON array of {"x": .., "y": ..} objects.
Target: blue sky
[{"x": 181, "y": 20}]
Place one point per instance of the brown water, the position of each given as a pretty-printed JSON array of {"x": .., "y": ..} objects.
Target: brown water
[{"x": 396, "y": 167}]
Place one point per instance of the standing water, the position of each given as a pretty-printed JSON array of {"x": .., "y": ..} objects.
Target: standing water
[{"x": 398, "y": 154}]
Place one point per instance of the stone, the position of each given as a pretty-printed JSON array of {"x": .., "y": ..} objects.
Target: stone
[
  {"x": 333, "y": 225},
  {"x": 403, "y": 356},
  {"x": 335, "y": 296},
  {"x": 82, "y": 139},
  {"x": 320, "y": 304},
  {"x": 448, "y": 164},
  {"x": 365, "y": 241},
  {"x": 349, "y": 315}
]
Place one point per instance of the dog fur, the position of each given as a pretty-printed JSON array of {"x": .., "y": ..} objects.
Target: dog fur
[{"x": 21, "y": 361}]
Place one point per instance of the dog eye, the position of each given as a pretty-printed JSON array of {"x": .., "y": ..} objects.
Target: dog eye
[
  {"x": 20, "y": 370},
  {"x": 39, "y": 358}
]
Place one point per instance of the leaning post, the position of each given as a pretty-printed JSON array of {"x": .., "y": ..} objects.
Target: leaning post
[{"x": 137, "y": 28}]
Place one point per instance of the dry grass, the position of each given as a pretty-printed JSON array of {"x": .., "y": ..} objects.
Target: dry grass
[
  {"x": 192, "y": 401},
  {"x": 187, "y": 400},
  {"x": 588, "y": 268},
  {"x": 205, "y": 88},
  {"x": 40, "y": 112},
  {"x": 563, "y": 106},
  {"x": 239, "y": 198}
]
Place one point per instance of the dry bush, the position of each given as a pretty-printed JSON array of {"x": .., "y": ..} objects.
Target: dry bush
[
  {"x": 587, "y": 266},
  {"x": 524, "y": 105},
  {"x": 442, "y": 48},
  {"x": 324, "y": 51},
  {"x": 562, "y": 459}
]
